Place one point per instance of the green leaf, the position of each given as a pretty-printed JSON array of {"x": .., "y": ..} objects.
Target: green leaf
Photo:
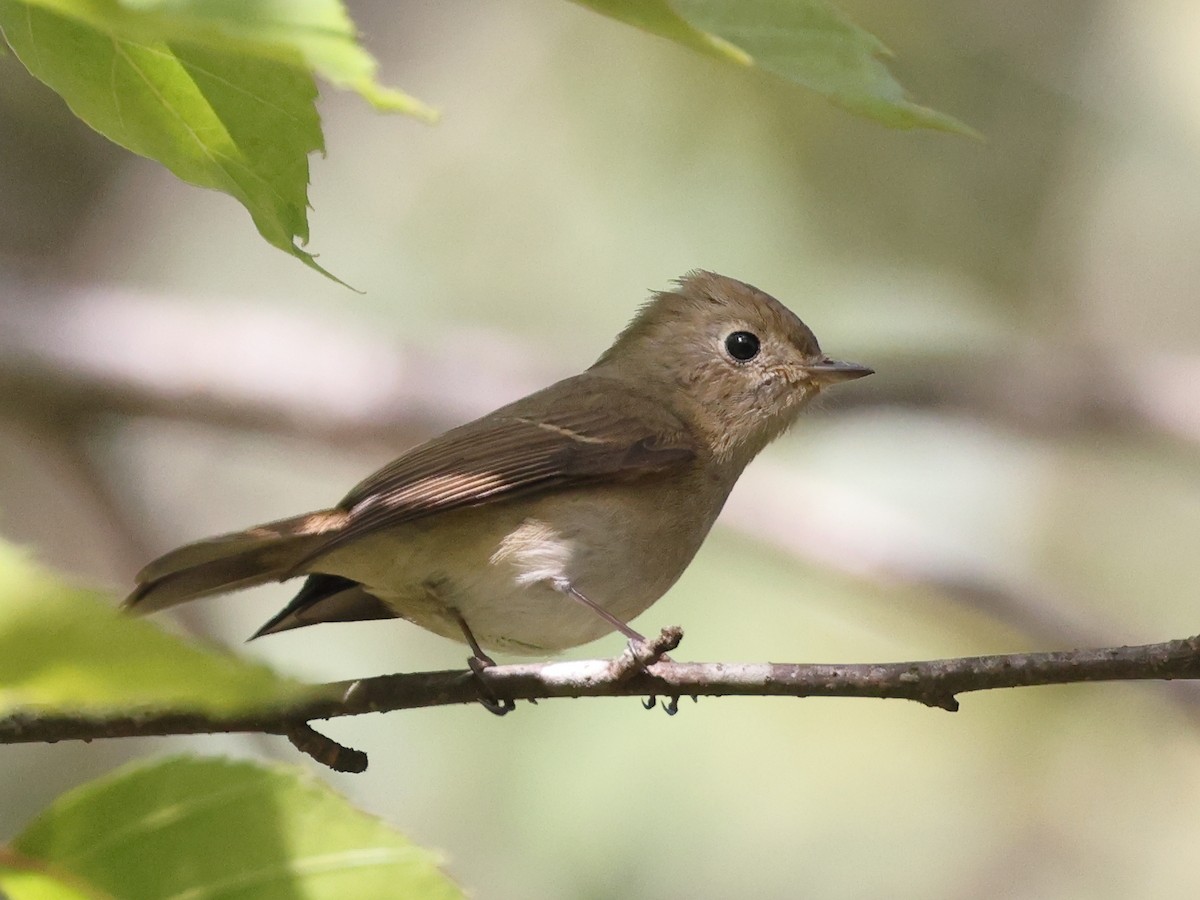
[
  {"x": 27, "y": 880},
  {"x": 234, "y": 123},
  {"x": 64, "y": 652},
  {"x": 315, "y": 34},
  {"x": 214, "y": 828},
  {"x": 219, "y": 91},
  {"x": 657, "y": 17},
  {"x": 807, "y": 42}
]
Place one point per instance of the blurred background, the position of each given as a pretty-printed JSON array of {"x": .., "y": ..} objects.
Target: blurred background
[{"x": 1022, "y": 473}]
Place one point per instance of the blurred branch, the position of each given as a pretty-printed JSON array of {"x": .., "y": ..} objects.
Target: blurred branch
[
  {"x": 1044, "y": 388},
  {"x": 104, "y": 352},
  {"x": 935, "y": 683}
]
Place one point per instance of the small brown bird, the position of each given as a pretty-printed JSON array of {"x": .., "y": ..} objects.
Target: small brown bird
[{"x": 558, "y": 518}]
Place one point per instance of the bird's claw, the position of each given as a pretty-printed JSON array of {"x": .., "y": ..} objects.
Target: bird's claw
[{"x": 478, "y": 664}]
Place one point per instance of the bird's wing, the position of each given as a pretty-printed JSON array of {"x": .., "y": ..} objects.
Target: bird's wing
[{"x": 588, "y": 429}]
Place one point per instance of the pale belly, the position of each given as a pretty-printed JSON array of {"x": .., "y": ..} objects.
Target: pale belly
[{"x": 504, "y": 568}]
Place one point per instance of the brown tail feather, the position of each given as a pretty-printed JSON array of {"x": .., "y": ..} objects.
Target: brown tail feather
[{"x": 231, "y": 562}]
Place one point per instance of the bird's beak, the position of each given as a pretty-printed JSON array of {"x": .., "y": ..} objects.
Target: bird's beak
[{"x": 831, "y": 371}]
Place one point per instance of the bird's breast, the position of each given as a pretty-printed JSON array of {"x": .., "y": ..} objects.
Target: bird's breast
[{"x": 504, "y": 567}]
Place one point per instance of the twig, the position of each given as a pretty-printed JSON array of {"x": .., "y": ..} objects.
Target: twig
[
  {"x": 326, "y": 750},
  {"x": 935, "y": 683}
]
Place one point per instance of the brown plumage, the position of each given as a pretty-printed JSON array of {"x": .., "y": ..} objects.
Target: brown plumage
[{"x": 565, "y": 491}]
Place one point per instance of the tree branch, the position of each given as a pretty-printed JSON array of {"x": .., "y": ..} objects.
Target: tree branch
[{"x": 935, "y": 683}]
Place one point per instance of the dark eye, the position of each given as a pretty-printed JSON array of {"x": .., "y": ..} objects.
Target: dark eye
[{"x": 742, "y": 345}]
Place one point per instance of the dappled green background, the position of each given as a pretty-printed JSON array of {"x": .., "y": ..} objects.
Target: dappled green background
[{"x": 1022, "y": 473}]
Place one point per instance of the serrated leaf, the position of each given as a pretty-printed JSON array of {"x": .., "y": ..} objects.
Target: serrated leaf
[
  {"x": 316, "y": 34},
  {"x": 234, "y": 123},
  {"x": 63, "y": 651},
  {"x": 807, "y": 42},
  {"x": 219, "y": 91},
  {"x": 320, "y": 31},
  {"x": 204, "y": 828}
]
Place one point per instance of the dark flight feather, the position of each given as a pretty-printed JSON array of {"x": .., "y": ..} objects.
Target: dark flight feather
[{"x": 327, "y": 598}]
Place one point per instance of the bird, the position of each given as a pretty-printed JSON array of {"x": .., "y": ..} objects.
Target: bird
[{"x": 553, "y": 520}]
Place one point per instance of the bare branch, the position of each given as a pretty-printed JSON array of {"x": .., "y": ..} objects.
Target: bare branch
[{"x": 935, "y": 683}]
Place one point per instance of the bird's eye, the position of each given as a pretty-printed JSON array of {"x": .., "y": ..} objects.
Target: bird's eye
[{"x": 742, "y": 345}]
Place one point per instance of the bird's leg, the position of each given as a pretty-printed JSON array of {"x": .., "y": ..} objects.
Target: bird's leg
[
  {"x": 571, "y": 591},
  {"x": 640, "y": 649},
  {"x": 477, "y": 663},
  {"x": 641, "y": 652},
  {"x": 479, "y": 660}
]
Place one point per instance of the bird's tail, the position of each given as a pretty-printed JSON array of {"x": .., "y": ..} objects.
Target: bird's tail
[{"x": 230, "y": 562}]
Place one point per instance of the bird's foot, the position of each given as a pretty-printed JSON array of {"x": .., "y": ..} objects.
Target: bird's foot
[{"x": 478, "y": 664}]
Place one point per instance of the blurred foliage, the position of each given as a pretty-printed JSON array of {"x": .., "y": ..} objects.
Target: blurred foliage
[
  {"x": 65, "y": 651},
  {"x": 162, "y": 830},
  {"x": 27, "y": 880},
  {"x": 804, "y": 41}
]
